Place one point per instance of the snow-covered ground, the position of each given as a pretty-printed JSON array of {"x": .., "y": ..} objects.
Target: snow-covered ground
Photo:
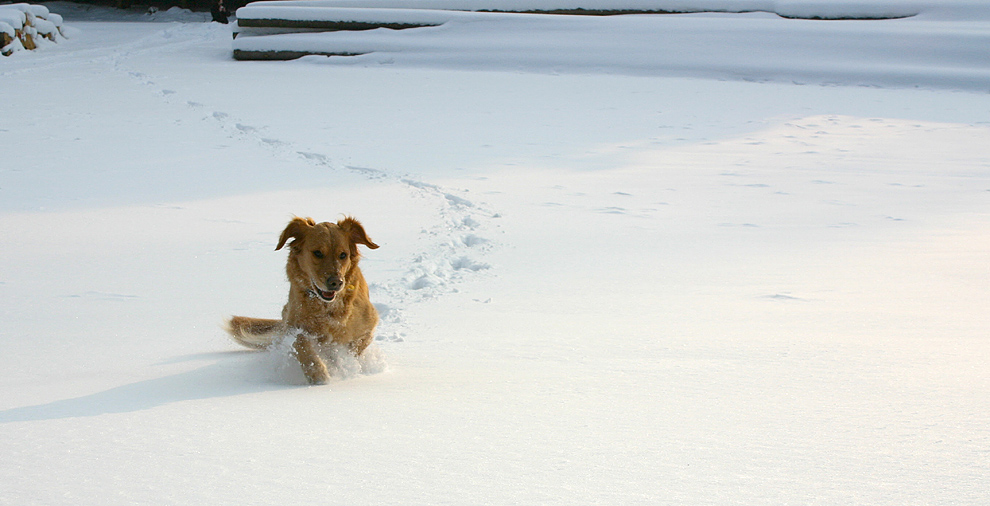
[{"x": 597, "y": 286}]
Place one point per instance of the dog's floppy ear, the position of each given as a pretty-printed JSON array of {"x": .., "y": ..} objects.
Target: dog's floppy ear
[
  {"x": 355, "y": 232},
  {"x": 296, "y": 229}
]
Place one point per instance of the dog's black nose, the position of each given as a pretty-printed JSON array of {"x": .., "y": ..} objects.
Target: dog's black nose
[{"x": 334, "y": 283}]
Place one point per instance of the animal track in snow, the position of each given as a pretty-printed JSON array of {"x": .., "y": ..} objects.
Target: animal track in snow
[
  {"x": 783, "y": 297},
  {"x": 454, "y": 244},
  {"x": 469, "y": 264},
  {"x": 472, "y": 240},
  {"x": 432, "y": 272},
  {"x": 370, "y": 173},
  {"x": 315, "y": 157},
  {"x": 102, "y": 296}
]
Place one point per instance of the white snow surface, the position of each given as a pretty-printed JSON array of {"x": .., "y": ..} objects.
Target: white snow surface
[{"x": 597, "y": 286}]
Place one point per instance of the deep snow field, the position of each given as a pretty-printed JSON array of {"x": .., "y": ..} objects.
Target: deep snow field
[{"x": 599, "y": 283}]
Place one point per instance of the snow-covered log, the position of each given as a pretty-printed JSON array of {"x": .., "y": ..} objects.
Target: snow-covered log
[
  {"x": 26, "y": 26},
  {"x": 284, "y": 29},
  {"x": 810, "y": 9},
  {"x": 335, "y": 18}
]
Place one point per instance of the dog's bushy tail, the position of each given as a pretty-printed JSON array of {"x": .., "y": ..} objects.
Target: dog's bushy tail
[{"x": 257, "y": 333}]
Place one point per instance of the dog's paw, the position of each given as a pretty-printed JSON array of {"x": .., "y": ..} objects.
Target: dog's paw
[
  {"x": 316, "y": 373},
  {"x": 318, "y": 380}
]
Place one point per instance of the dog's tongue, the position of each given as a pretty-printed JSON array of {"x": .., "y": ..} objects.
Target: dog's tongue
[{"x": 327, "y": 295}]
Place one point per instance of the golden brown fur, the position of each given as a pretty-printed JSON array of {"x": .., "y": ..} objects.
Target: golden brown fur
[{"x": 328, "y": 296}]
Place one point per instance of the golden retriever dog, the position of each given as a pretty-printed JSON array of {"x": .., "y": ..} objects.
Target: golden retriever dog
[{"x": 328, "y": 296}]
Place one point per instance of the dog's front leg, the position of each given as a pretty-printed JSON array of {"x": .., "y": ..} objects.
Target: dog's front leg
[{"x": 312, "y": 365}]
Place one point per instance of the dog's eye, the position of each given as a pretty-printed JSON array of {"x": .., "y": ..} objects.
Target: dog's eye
[
  {"x": 343, "y": 255},
  {"x": 318, "y": 254}
]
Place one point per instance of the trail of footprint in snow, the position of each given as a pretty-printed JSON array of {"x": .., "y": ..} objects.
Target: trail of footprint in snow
[
  {"x": 459, "y": 241},
  {"x": 452, "y": 255}
]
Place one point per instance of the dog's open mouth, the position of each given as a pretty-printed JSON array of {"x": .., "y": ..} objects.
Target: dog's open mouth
[{"x": 327, "y": 296}]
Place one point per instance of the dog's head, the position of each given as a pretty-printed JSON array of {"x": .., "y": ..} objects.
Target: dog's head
[{"x": 323, "y": 255}]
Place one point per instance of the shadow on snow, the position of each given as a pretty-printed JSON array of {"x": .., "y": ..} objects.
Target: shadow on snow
[{"x": 228, "y": 376}]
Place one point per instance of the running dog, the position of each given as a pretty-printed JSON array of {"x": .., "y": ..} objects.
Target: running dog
[{"x": 328, "y": 296}]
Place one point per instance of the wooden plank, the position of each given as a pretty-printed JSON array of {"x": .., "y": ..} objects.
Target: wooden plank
[
  {"x": 246, "y": 55},
  {"x": 586, "y": 12},
  {"x": 324, "y": 25}
]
